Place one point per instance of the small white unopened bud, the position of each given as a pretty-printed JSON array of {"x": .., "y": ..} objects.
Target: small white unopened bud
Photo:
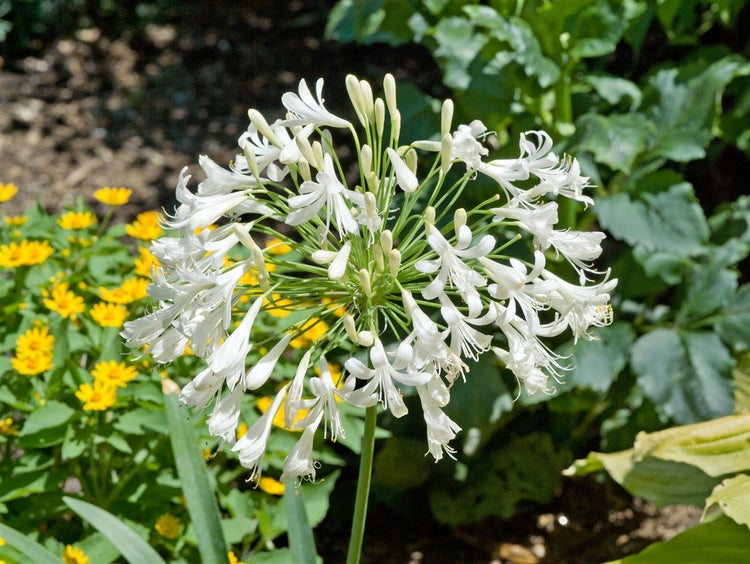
[
  {"x": 304, "y": 148},
  {"x": 411, "y": 160},
  {"x": 304, "y": 169},
  {"x": 459, "y": 219},
  {"x": 364, "y": 281},
  {"x": 446, "y": 118},
  {"x": 264, "y": 278},
  {"x": 337, "y": 268},
  {"x": 386, "y": 241},
  {"x": 377, "y": 255},
  {"x": 260, "y": 123},
  {"x": 429, "y": 215},
  {"x": 367, "y": 101},
  {"x": 350, "y": 327},
  {"x": 365, "y": 155},
  {"x": 372, "y": 181},
  {"x": 365, "y": 338},
  {"x": 379, "y": 110},
  {"x": 446, "y": 152},
  {"x": 252, "y": 163},
  {"x": 405, "y": 178},
  {"x": 318, "y": 154},
  {"x": 394, "y": 262},
  {"x": 395, "y": 125},
  {"x": 323, "y": 257},
  {"x": 355, "y": 95},
  {"x": 389, "y": 87}
]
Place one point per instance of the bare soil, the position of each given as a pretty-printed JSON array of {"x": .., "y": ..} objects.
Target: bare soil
[{"x": 91, "y": 111}]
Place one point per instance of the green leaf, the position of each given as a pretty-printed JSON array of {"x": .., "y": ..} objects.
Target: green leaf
[
  {"x": 46, "y": 425},
  {"x": 707, "y": 289},
  {"x": 596, "y": 30},
  {"x": 142, "y": 420},
  {"x": 614, "y": 89},
  {"x": 734, "y": 322},
  {"x": 598, "y": 362},
  {"x": 401, "y": 463},
  {"x": 615, "y": 140},
  {"x": 301, "y": 541},
  {"x": 670, "y": 221},
  {"x": 721, "y": 540},
  {"x": 686, "y": 374},
  {"x": 685, "y": 110},
  {"x": 196, "y": 485},
  {"x": 35, "y": 551},
  {"x": 482, "y": 399},
  {"x": 458, "y": 46},
  {"x": 733, "y": 497},
  {"x": 661, "y": 482},
  {"x": 133, "y": 548}
]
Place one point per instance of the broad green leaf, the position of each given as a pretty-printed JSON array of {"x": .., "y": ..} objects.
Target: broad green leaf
[
  {"x": 142, "y": 420},
  {"x": 734, "y": 321},
  {"x": 733, "y": 497},
  {"x": 596, "y": 30},
  {"x": 720, "y": 540},
  {"x": 46, "y": 425},
  {"x": 596, "y": 363},
  {"x": 458, "y": 46},
  {"x": 195, "y": 482},
  {"x": 301, "y": 541},
  {"x": 685, "y": 110},
  {"x": 685, "y": 374},
  {"x": 670, "y": 221},
  {"x": 277, "y": 556},
  {"x": 614, "y": 89},
  {"x": 717, "y": 447},
  {"x": 33, "y": 550},
  {"x": 661, "y": 482},
  {"x": 615, "y": 140},
  {"x": 133, "y": 548},
  {"x": 707, "y": 289},
  {"x": 483, "y": 399}
]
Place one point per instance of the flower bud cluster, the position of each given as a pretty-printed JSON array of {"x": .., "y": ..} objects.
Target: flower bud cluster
[{"x": 285, "y": 255}]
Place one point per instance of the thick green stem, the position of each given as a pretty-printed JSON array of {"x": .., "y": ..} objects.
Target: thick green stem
[{"x": 363, "y": 486}]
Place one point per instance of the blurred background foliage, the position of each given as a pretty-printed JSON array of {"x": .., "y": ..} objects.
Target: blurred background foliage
[{"x": 653, "y": 98}]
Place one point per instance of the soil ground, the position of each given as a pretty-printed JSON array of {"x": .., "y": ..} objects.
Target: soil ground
[{"x": 91, "y": 111}]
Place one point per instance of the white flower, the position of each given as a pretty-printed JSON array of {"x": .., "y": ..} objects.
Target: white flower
[
  {"x": 299, "y": 464},
  {"x": 465, "y": 340},
  {"x": 306, "y": 109},
  {"x": 441, "y": 429},
  {"x": 382, "y": 375},
  {"x": 226, "y": 414},
  {"x": 405, "y": 178},
  {"x": 327, "y": 191},
  {"x": 252, "y": 446}
]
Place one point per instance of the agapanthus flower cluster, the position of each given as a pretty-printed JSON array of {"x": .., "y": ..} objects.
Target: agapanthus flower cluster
[{"x": 404, "y": 285}]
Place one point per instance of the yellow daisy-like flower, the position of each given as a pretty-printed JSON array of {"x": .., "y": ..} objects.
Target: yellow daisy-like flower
[
  {"x": 35, "y": 341},
  {"x": 278, "y": 306},
  {"x": 8, "y": 429},
  {"x": 241, "y": 429},
  {"x": 99, "y": 397},
  {"x": 145, "y": 262},
  {"x": 233, "y": 558},
  {"x": 265, "y": 402},
  {"x": 113, "y": 196},
  {"x": 76, "y": 220},
  {"x": 109, "y": 314},
  {"x": 131, "y": 290},
  {"x": 276, "y": 246},
  {"x": 313, "y": 330},
  {"x": 24, "y": 253},
  {"x": 147, "y": 226},
  {"x": 168, "y": 526},
  {"x": 114, "y": 373},
  {"x": 7, "y": 191},
  {"x": 271, "y": 486},
  {"x": 15, "y": 220},
  {"x": 74, "y": 555},
  {"x": 64, "y": 302},
  {"x": 32, "y": 365}
]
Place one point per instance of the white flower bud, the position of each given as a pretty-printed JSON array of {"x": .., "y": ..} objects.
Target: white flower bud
[
  {"x": 364, "y": 281},
  {"x": 386, "y": 241},
  {"x": 350, "y": 327},
  {"x": 446, "y": 153},
  {"x": 379, "y": 110},
  {"x": 446, "y": 118},
  {"x": 260, "y": 123},
  {"x": 389, "y": 87},
  {"x": 394, "y": 262}
]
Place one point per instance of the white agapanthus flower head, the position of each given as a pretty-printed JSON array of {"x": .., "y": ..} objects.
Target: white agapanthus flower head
[{"x": 284, "y": 258}]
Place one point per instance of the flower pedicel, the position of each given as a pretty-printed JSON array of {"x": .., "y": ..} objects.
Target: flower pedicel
[{"x": 404, "y": 283}]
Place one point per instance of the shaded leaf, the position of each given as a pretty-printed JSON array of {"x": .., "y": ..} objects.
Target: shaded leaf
[
  {"x": 686, "y": 375},
  {"x": 301, "y": 541},
  {"x": 46, "y": 425},
  {"x": 734, "y": 321},
  {"x": 707, "y": 290},
  {"x": 35, "y": 551}
]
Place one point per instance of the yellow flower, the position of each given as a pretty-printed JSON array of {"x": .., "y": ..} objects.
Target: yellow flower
[
  {"x": 109, "y": 314},
  {"x": 233, "y": 558},
  {"x": 279, "y": 307},
  {"x": 276, "y": 246},
  {"x": 64, "y": 302},
  {"x": 24, "y": 253},
  {"x": 314, "y": 329},
  {"x": 8, "y": 429},
  {"x": 265, "y": 402},
  {"x": 7, "y": 191},
  {"x": 99, "y": 397},
  {"x": 113, "y": 196},
  {"x": 15, "y": 220},
  {"x": 271, "y": 486},
  {"x": 168, "y": 526},
  {"x": 33, "y": 342},
  {"x": 147, "y": 226},
  {"x": 76, "y": 220},
  {"x": 73, "y": 555},
  {"x": 241, "y": 429},
  {"x": 131, "y": 290},
  {"x": 114, "y": 373},
  {"x": 32, "y": 365},
  {"x": 144, "y": 262}
]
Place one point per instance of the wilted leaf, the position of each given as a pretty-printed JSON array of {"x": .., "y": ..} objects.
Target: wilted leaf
[{"x": 733, "y": 497}]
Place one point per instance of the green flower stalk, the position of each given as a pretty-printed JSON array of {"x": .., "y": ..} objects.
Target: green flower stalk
[{"x": 287, "y": 254}]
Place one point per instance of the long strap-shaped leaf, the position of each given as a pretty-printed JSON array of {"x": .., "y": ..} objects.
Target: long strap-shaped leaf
[
  {"x": 35, "y": 551},
  {"x": 196, "y": 487},
  {"x": 301, "y": 540},
  {"x": 132, "y": 547}
]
